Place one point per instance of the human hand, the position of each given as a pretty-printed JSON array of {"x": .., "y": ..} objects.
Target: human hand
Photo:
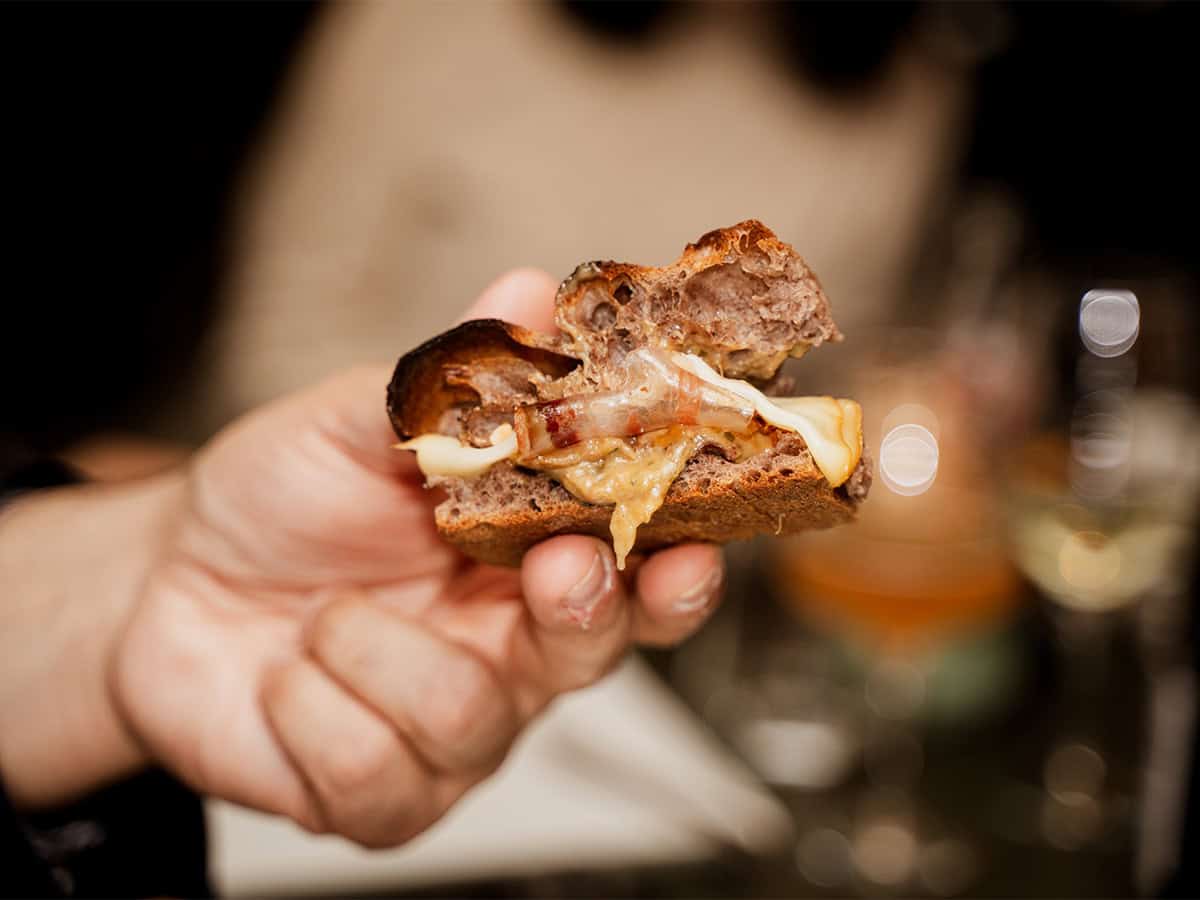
[{"x": 305, "y": 643}]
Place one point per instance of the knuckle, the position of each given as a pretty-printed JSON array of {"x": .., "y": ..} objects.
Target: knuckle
[
  {"x": 401, "y": 829},
  {"x": 331, "y": 632},
  {"x": 382, "y": 821},
  {"x": 352, "y": 767},
  {"x": 279, "y": 685},
  {"x": 467, "y": 700}
]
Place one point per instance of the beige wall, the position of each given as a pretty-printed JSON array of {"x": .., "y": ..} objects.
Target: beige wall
[{"x": 424, "y": 148}]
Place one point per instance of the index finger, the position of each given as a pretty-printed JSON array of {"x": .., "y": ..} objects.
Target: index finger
[
  {"x": 350, "y": 405},
  {"x": 523, "y": 296}
]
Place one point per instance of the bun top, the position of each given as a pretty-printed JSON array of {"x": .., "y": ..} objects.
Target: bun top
[{"x": 739, "y": 298}]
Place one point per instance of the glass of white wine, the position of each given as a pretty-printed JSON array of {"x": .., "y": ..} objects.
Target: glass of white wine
[
  {"x": 1104, "y": 515},
  {"x": 1101, "y": 517}
]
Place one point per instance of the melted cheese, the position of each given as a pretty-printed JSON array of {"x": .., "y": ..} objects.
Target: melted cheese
[
  {"x": 831, "y": 428},
  {"x": 634, "y": 475},
  {"x": 440, "y": 454}
]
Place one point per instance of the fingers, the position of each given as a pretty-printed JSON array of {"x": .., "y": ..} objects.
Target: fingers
[
  {"x": 678, "y": 589},
  {"x": 349, "y": 408},
  {"x": 522, "y": 296},
  {"x": 580, "y": 612},
  {"x": 364, "y": 783},
  {"x": 388, "y": 722},
  {"x": 583, "y": 619},
  {"x": 440, "y": 696}
]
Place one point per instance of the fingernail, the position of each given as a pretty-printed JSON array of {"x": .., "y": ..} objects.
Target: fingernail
[
  {"x": 699, "y": 595},
  {"x": 582, "y": 598}
]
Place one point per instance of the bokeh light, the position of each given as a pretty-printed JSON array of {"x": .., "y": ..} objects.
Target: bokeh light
[
  {"x": 1108, "y": 321},
  {"x": 823, "y": 857},
  {"x": 908, "y": 459}
]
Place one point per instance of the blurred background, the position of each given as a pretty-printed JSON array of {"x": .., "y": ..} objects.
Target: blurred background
[{"x": 985, "y": 687}]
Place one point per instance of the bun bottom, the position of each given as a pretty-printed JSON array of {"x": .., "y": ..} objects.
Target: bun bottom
[{"x": 498, "y": 516}]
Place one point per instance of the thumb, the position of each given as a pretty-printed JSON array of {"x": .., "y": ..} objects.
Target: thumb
[
  {"x": 350, "y": 407},
  {"x": 580, "y": 613}
]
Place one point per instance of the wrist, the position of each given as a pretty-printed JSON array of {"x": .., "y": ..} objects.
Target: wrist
[{"x": 75, "y": 561}]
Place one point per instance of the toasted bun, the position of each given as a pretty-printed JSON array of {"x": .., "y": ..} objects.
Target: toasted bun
[
  {"x": 499, "y": 516},
  {"x": 738, "y": 297},
  {"x": 419, "y": 393}
]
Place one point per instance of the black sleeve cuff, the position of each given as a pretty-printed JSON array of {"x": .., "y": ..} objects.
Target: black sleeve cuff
[{"x": 141, "y": 837}]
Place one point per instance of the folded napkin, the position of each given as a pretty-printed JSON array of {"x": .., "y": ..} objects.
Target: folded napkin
[{"x": 619, "y": 774}]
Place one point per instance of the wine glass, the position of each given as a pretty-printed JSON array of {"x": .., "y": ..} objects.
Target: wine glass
[{"x": 1101, "y": 516}]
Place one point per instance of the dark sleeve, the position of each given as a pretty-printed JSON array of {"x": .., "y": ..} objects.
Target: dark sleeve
[
  {"x": 141, "y": 837},
  {"x": 25, "y": 873}
]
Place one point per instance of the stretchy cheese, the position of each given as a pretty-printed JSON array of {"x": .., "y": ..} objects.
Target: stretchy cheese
[{"x": 831, "y": 428}]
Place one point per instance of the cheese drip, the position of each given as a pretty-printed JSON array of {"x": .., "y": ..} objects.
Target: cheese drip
[{"x": 635, "y": 483}]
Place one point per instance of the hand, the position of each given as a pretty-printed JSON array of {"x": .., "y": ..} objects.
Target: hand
[{"x": 305, "y": 643}]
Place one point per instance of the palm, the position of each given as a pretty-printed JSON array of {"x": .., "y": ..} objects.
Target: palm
[{"x": 288, "y": 504}]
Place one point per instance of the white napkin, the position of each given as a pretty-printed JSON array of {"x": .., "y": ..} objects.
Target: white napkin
[{"x": 619, "y": 774}]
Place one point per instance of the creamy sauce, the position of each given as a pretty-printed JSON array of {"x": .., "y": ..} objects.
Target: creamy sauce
[{"x": 634, "y": 475}]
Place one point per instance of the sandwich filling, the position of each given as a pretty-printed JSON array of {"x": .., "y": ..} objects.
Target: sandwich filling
[{"x": 625, "y": 446}]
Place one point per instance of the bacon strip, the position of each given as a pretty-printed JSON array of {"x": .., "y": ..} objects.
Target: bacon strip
[
  {"x": 690, "y": 399},
  {"x": 655, "y": 394}
]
